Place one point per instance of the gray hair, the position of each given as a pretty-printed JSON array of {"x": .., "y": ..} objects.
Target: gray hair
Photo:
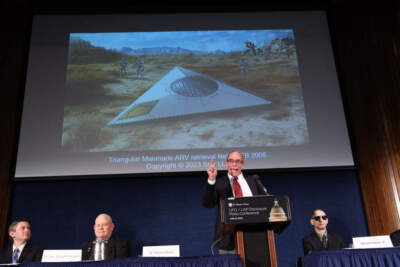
[
  {"x": 13, "y": 225},
  {"x": 241, "y": 155}
]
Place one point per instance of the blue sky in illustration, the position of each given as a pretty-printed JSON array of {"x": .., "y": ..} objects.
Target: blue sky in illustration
[{"x": 206, "y": 41}]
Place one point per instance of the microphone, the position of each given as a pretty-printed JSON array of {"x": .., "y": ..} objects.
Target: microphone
[
  {"x": 91, "y": 246},
  {"x": 260, "y": 185},
  {"x": 214, "y": 243}
]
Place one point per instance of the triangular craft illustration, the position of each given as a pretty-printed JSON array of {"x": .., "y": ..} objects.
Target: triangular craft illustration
[{"x": 183, "y": 92}]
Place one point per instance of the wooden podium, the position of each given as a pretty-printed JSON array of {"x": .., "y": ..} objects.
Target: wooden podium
[{"x": 254, "y": 220}]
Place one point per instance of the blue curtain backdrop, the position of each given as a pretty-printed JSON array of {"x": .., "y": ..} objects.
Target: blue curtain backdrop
[{"x": 167, "y": 210}]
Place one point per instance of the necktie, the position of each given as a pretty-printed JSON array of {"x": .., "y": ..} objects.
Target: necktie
[
  {"x": 324, "y": 241},
  {"x": 15, "y": 255},
  {"x": 99, "y": 250},
  {"x": 237, "y": 188},
  {"x": 102, "y": 250}
]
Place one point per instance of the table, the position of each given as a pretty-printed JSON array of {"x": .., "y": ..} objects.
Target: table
[
  {"x": 204, "y": 261},
  {"x": 382, "y": 257}
]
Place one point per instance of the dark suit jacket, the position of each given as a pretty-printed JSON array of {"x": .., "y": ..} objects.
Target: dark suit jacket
[
  {"x": 30, "y": 253},
  {"x": 395, "y": 237},
  {"x": 220, "y": 190},
  {"x": 115, "y": 248},
  {"x": 312, "y": 242}
]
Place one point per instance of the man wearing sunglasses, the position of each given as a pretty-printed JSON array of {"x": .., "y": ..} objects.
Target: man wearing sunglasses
[
  {"x": 320, "y": 239},
  {"x": 232, "y": 184}
]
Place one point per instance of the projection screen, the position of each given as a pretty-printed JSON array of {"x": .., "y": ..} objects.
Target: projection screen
[{"x": 156, "y": 93}]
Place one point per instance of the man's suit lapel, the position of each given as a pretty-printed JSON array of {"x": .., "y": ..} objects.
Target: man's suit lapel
[
  {"x": 25, "y": 252},
  {"x": 90, "y": 251},
  {"x": 252, "y": 185},
  {"x": 317, "y": 242},
  {"x": 227, "y": 186},
  {"x": 110, "y": 249},
  {"x": 250, "y": 182},
  {"x": 9, "y": 255},
  {"x": 330, "y": 241}
]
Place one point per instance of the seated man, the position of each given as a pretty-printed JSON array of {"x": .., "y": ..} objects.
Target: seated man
[
  {"x": 105, "y": 247},
  {"x": 21, "y": 250},
  {"x": 320, "y": 239}
]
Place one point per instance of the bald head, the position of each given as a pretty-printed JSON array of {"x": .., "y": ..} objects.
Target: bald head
[
  {"x": 103, "y": 226},
  {"x": 103, "y": 217}
]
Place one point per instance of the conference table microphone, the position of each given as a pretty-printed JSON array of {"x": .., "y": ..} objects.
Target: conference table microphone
[{"x": 214, "y": 243}]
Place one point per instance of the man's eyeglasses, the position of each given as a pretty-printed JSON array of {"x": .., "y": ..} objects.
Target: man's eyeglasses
[
  {"x": 318, "y": 218},
  {"x": 237, "y": 161}
]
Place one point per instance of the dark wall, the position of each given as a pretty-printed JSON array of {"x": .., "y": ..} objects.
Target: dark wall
[{"x": 167, "y": 210}]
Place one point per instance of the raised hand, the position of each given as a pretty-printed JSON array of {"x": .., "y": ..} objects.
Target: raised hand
[{"x": 212, "y": 171}]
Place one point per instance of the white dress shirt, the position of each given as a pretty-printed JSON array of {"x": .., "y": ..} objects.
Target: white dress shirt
[
  {"x": 21, "y": 247},
  {"x": 243, "y": 184}
]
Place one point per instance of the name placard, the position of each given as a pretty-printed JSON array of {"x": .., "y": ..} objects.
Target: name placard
[
  {"x": 161, "y": 251},
  {"x": 61, "y": 255},
  {"x": 379, "y": 241}
]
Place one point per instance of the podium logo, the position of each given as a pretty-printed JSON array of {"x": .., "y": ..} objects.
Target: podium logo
[{"x": 277, "y": 214}]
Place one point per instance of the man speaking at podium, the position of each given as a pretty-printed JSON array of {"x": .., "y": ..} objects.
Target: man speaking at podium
[
  {"x": 105, "y": 247},
  {"x": 232, "y": 184}
]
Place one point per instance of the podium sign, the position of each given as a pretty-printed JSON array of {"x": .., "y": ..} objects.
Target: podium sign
[
  {"x": 265, "y": 211},
  {"x": 255, "y": 220}
]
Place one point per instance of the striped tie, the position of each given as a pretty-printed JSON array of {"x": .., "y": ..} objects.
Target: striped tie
[{"x": 15, "y": 255}]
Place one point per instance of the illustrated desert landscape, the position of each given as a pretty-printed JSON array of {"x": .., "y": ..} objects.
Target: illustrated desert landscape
[{"x": 101, "y": 83}]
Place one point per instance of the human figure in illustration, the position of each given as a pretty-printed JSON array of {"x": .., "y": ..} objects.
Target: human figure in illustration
[
  {"x": 139, "y": 68},
  {"x": 244, "y": 67},
  {"x": 122, "y": 67}
]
